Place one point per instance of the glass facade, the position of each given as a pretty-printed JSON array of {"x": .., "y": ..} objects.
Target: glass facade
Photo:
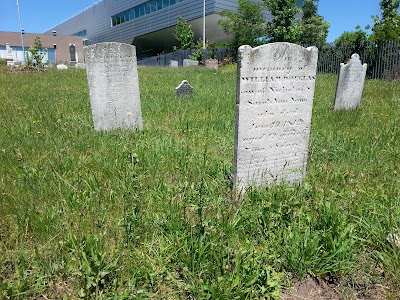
[
  {"x": 80, "y": 33},
  {"x": 141, "y": 10}
]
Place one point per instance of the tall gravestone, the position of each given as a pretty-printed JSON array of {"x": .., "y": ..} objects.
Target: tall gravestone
[
  {"x": 350, "y": 84},
  {"x": 114, "y": 86},
  {"x": 274, "y": 97}
]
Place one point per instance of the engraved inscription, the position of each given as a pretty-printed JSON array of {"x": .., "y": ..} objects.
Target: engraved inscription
[
  {"x": 113, "y": 85},
  {"x": 275, "y": 95},
  {"x": 350, "y": 84}
]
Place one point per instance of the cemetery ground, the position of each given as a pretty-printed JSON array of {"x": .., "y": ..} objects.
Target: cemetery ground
[{"x": 151, "y": 214}]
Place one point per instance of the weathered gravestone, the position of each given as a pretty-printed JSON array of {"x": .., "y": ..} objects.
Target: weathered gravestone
[
  {"x": 114, "y": 86},
  {"x": 190, "y": 63},
  {"x": 275, "y": 90},
  {"x": 184, "y": 89},
  {"x": 62, "y": 67},
  {"x": 350, "y": 84},
  {"x": 80, "y": 66},
  {"x": 9, "y": 57},
  {"x": 174, "y": 63},
  {"x": 211, "y": 63}
]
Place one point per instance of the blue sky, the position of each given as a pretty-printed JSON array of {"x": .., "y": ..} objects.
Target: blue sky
[{"x": 39, "y": 16}]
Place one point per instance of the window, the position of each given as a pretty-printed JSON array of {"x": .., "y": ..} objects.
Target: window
[
  {"x": 80, "y": 33},
  {"x": 153, "y": 5},
  {"x": 159, "y": 4},
  {"x": 147, "y": 7},
  {"x": 144, "y": 9}
]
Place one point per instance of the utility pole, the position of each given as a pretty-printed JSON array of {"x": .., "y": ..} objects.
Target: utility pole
[
  {"x": 21, "y": 31},
  {"x": 204, "y": 24}
]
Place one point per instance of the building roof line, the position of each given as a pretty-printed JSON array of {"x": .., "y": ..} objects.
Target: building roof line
[{"x": 73, "y": 16}]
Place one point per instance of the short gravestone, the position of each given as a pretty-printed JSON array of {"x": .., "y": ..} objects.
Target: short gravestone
[
  {"x": 113, "y": 85},
  {"x": 80, "y": 66},
  {"x": 190, "y": 63},
  {"x": 211, "y": 63},
  {"x": 173, "y": 63},
  {"x": 184, "y": 89},
  {"x": 350, "y": 84},
  {"x": 275, "y": 90},
  {"x": 62, "y": 67}
]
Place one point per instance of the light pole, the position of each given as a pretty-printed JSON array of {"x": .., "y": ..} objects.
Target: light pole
[
  {"x": 22, "y": 32},
  {"x": 204, "y": 24}
]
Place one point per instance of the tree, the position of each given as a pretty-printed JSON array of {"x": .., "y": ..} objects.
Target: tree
[
  {"x": 184, "y": 35},
  {"x": 388, "y": 27},
  {"x": 36, "y": 54},
  {"x": 284, "y": 26},
  {"x": 314, "y": 29},
  {"x": 353, "y": 40},
  {"x": 247, "y": 25}
]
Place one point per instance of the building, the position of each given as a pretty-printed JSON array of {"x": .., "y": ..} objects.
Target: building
[
  {"x": 147, "y": 24},
  {"x": 59, "y": 49}
]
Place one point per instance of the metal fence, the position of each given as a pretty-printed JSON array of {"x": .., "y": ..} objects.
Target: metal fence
[
  {"x": 383, "y": 59},
  {"x": 163, "y": 60}
]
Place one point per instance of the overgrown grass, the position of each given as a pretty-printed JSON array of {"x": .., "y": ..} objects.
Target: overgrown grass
[{"x": 137, "y": 215}]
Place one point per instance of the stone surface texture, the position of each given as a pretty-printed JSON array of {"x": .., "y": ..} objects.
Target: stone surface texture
[
  {"x": 190, "y": 63},
  {"x": 114, "y": 86},
  {"x": 62, "y": 67},
  {"x": 173, "y": 63},
  {"x": 350, "y": 84},
  {"x": 184, "y": 89},
  {"x": 274, "y": 97},
  {"x": 80, "y": 66},
  {"x": 211, "y": 63}
]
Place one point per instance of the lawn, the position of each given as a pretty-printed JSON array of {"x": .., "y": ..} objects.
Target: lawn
[{"x": 151, "y": 214}]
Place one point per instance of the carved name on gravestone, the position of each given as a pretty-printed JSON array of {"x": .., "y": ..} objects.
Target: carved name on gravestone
[
  {"x": 113, "y": 85},
  {"x": 275, "y": 90},
  {"x": 350, "y": 84},
  {"x": 184, "y": 89}
]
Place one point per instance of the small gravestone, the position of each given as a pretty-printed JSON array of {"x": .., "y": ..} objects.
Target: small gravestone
[
  {"x": 9, "y": 55},
  {"x": 62, "y": 67},
  {"x": 190, "y": 63},
  {"x": 275, "y": 90},
  {"x": 211, "y": 63},
  {"x": 80, "y": 66},
  {"x": 113, "y": 85},
  {"x": 184, "y": 89},
  {"x": 173, "y": 63},
  {"x": 350, "y": 84}
]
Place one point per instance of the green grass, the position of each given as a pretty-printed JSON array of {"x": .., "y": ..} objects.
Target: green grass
[{"x": 138, "y": 215}]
